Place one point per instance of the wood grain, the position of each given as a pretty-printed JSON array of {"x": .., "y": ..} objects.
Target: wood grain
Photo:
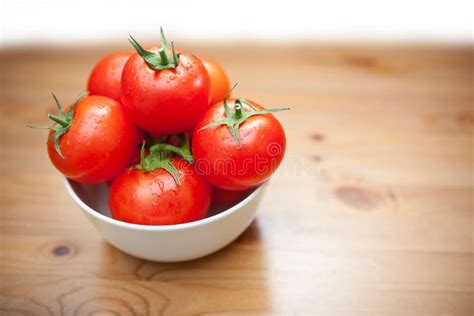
[{"x": 370, "y": 214}]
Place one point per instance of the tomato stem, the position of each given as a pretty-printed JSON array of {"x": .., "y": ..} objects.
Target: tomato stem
[
  {"x": 61, "y": 121},
  {"x": 160, "y": 155},
  {"x": 164, "y": 57},
  {"x": 183, "y": 151},
  {"x": 64, "y": 120},
  {"x": 160, "y": 60},
  {"x": 164, "y": 49},
  {"x": 236, "y": 116},
  {"x": 238, "y": 109}
]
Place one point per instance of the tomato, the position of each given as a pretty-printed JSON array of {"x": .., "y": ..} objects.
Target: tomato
[
  {"x": 154, "y": 198},
  {"x": 106, "y": 77},
  {"x": 164, "y": 92},
  {"x": 93, "y": 143},
  {"x": 220, "y": 84},
  {"x": 238, "y": 145},
  {"x": 224, "y": 199}
]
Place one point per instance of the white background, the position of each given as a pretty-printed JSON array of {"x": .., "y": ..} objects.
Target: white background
[{"x": 56, "y": 21}]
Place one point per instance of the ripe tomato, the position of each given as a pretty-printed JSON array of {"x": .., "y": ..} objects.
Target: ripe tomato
[
  {"x": 93, "y": 140},
  {"x": 164, "y": 92},
  {"x": 239, "y": 145},
  {"x": 106, "y": 77},
  {"x": 154, "y": 197},
  {"x": 220, "y": 84}
]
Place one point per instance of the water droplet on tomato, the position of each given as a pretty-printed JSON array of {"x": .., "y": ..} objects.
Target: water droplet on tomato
[
  {"x": 172, "y": 77},
  {"x": 98, "y": 121}
]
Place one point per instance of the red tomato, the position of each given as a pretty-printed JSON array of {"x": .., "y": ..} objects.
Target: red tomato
[
  {"x": 106, "y": 77},
  {"x": 97, "y": 145},
  {"x": 154, "y": 198},
  {"x": 224, "y": 199},
  {"x": 243, "y": 160},
  {"x": 164, "y": 101},
  {"x": 220, "y": 84}
]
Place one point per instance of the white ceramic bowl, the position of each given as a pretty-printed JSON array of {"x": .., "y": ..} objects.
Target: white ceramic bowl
[{"x": 170, "y": 243}]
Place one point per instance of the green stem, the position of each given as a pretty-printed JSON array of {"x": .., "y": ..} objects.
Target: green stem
[
  {"x": 238, "y": 109},
  {"x": 64, "y": 120},
  {"x": 160, "y": 60},
  {"x": 163, "y": 56},
  {"x": 179, "y": 151},
  {"x": 183, "y": 151},
  {"x": 175, "y": 56},
  {"x": 58, "y": 120},
  {"x": 235, "y": 117},
  {"x": 160, "y": 157}
]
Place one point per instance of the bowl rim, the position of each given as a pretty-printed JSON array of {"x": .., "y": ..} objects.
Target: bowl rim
[{"x": 174, "y": 227}]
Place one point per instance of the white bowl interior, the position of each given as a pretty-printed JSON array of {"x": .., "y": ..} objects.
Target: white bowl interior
[
  {"x": 93, "y": 195},
  {"x": 96, "y": 196}
]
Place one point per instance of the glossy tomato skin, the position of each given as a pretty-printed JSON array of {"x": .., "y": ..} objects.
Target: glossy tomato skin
[
  {"x": 220, "y": 84},
  {"x": 168, "y": 101},
  {"x": 106, "y": 77},
  {"x": 154, "y": 198},
  {"x": 99, "y": 143},
  {"x": 232, "y": 167}
]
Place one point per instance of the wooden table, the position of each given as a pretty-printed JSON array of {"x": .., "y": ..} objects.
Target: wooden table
[{"x": 370, "y": 214}]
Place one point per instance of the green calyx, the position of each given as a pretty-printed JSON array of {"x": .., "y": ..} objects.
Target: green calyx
[
  {"x": 238, "y": 115},
  {"x": 163, "y": 59},
  {"x": 160, "y": 156},
  {"x": 63, "y": 121}
]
